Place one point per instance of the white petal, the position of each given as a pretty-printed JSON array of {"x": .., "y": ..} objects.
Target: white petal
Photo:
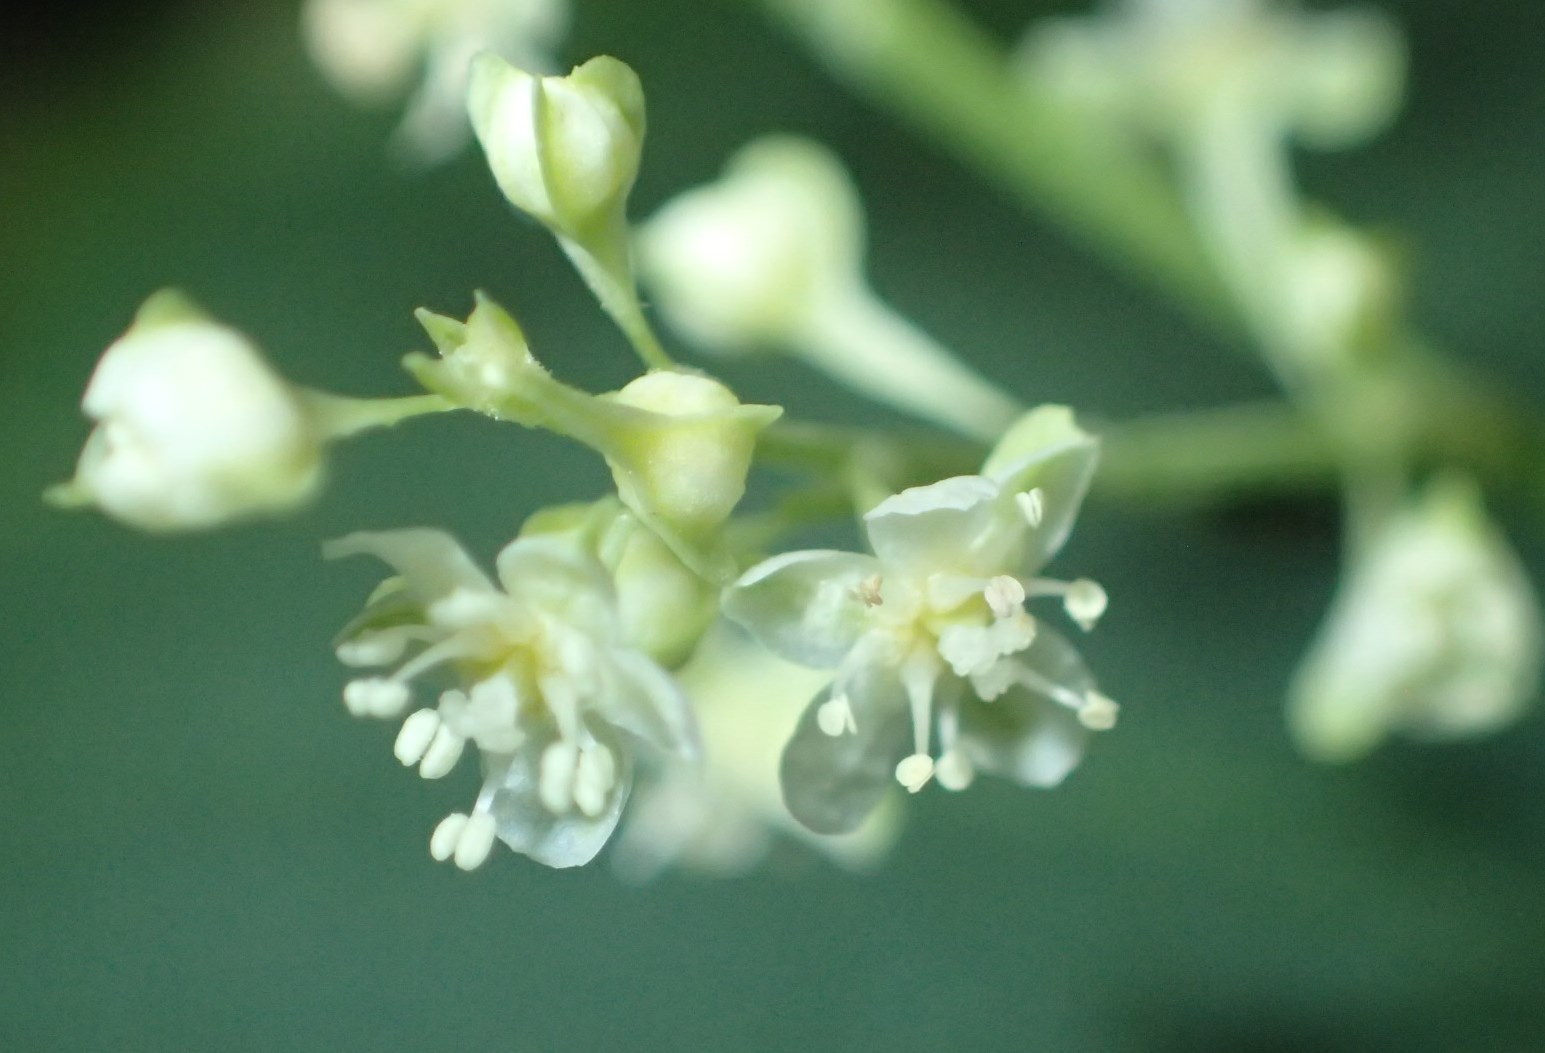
[
  {"x": 643, "y": 699},
  {"x": 527, "y": 826},
  {"x": 805, "y": 606},
  {"x": 432, "y": 563},
  {"x": 1048, "y": 452},
  {"x": 940, "y": 527},
  {"x": 832, "y": 783}
]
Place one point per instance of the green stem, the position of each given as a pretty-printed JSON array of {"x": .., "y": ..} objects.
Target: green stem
[
  {"x": 342, "y": 416},
  {"x": 612, "y": 282}
]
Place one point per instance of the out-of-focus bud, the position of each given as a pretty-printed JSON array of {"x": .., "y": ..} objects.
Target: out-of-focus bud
[
  {"x": 565, "y": 150},
  {"x": 1342, "y": 298},
  {"x": 194, "y": 427},
  {"x": 747, "y": 260},
  {"x": 1435, "y": 634},
  {"x": 771, "y": 256}
]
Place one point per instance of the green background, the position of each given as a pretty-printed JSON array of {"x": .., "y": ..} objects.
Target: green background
[{"x": 200, "y": 850}]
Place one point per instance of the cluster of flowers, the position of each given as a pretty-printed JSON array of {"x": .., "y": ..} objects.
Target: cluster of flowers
[{"x": 610, "y": 645}]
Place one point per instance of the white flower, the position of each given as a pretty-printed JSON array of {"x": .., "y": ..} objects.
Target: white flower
[
  {"x": 1435, "y": 634},
  {"x": 372, "y": 49},
  {"x": 725, "y": 816},
  {"x": 931, "y": 633},
  {"x": 564, "y": 150},
  {"x": 194, "y": 427},
  {"x": 557, "y": 702},
  {"x": 1333, "y": 78}
]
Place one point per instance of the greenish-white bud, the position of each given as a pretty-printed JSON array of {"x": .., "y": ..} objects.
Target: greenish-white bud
[
  {"x": 1435, "y": 634},
  {"x": 482, "y": 360},
  {"x": 685, "y": 458},
  {"x": 1342, "y": 296},
  {"x": 193, "y": 427},
  {"x": 749, "y": 259},
  {"x": 565, "y": 150}
]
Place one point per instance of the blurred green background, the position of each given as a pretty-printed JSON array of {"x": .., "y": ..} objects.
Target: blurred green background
[{"x": 199, "y": 849}]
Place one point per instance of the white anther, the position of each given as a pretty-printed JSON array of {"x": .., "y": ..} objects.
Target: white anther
[
  {"x": 375, "y": 697},
  {"x": 1032, "y": 505},
  {"x": 836, "y": 716},
  {"x": 464, "y": 607},
  {"x": 370, "y": 649},
  {"x": 1004, "y": 595},
  {"x": 442, "y": 843},
  {"x": 475, "y": 842},
  {"x": 555, "y": 777},
  {"x": 418, "y": 731},
  {"x": 1085, "y": 601},
  {"x": 914, "y": 772},
  {"x": 442, "y": 754},
  {"x": 594, "y": 776},
  {"x": 954, "y": 770},
  {"x": 1098, "y": 713}
]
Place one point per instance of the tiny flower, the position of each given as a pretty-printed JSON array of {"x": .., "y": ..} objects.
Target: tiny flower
[
  {"x": 1435, "y": 634},
  {"x": 193, "y": 427},
  {"x": 564, "y": 150},
  {"x": 372, "y": 50},
  {"x": 771, "y": 256},
  {"x": 1332, "y": 78},
  {"x": 931, "y": 635},
  {"x": 724, "y": 817},
  {"x": 556, "y": 701}
]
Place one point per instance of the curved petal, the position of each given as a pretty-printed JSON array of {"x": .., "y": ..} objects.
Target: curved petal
[
  {"x": 936, "y": 527},
  {"x": 524, "y": 824},
  {"x": 1025, "y": 734},
  {"x": 1046, "y": 451},
  {"x": 556, "y": 574},
  {"x": 432, "y": 563},
  {"x": 803, "y": 606},
  {"x": 831, "y": 783},
  {"x": 644, "y": 700}
]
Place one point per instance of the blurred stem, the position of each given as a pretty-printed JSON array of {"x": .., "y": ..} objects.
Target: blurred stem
[
  {"x": 341, "y": 416},
  {"x": 931, "y": 66}
]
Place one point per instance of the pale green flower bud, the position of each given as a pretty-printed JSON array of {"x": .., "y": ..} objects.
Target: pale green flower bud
[
  {"x": 1342, "y": 297},
  {"x": 746, "y": 260},
  {"x": 482, "y": 360},
  {"x": 565, "y": 150},
  {"x": 1435, "y": 634},
  {"x": 686, "y": 457},
  {"x": 194, "y": 427}
]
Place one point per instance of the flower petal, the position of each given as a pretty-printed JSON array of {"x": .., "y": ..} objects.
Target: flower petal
[
  {"x": 1046, "y": 451},
  {"x": 555, "y": 573},
  {"x": 939, "y": 527},
  {"x": 1025, "y": 734},
  {"x": 432, "y": 563},
  {"x": 643, "y": 699},
  {"x": 804, "y": 606},
  {"x": 569, "y": 839},
  {"x": 831, "y": 783}
]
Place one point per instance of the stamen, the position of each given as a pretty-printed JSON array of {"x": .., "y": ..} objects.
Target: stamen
[
  {"x": 1085, "y": 601},
  {"x": 1004, "y": 596},
  {"x": 594, "y": 776},
  {"x": 555, "y": 777},
  {"x": 954, "y": 770},
  {"x": 914, "y": 772},
  {"x": 372, "y": 649},
  {"x": 376, "y": 696},
  {"x": 1058, "y": 693},
  {"x": 836, "y": 716},
  {"x": 442, "y": 843},
  {"x": 442, "y": 754},
  {"x": 417, "y": 732},
  {"x": 918, "y": 674},
  {"x": 1098, "y": 713},
  {"x": 1032, "y": 505},
  {"x": 868, "y": 591}
]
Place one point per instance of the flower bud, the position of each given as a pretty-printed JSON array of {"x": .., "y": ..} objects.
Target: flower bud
[
  {"x": 194, "y": 428},
  {"x": 685, "y": 459},
  {"x": 563, "y": 149},
  {"x": 1436, "y": 634},
  {"x": 482, "y": 360},
  {"x": 746, "y": 260}
]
